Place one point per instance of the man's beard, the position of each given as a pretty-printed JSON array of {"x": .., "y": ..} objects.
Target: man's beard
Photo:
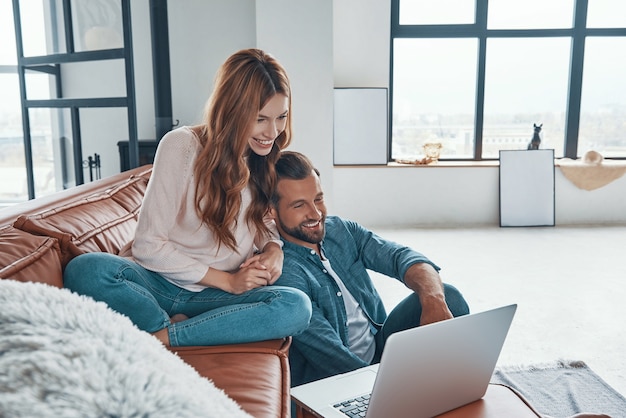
[{"x": 300, "y": 233}]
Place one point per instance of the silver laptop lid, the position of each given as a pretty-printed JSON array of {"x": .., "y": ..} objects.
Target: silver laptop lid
[
  {"x": 435, "y": 368},
  {"x": 424, "y": 371}
]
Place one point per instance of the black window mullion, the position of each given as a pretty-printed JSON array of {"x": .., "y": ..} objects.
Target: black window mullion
[
  {"x": 572, "y": 123},
  {"x": 432, "y": 31},
  {"x": 479, "y": 116},
  {"x": 395, "y": 19}
]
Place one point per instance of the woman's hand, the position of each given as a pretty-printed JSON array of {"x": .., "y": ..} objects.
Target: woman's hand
[
  {"x": 259, "y": 270},
  {"x": 246, "y": 278},
  {"x": 271, "y": 259}
]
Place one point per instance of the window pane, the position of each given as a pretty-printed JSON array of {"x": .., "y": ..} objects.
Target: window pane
[
  {"x": 97, "y": 25},
  {"x": 8, "y": 55},
  {"x": 606, "y": 14},
  {"x": 94, "y": 79},
  {"x": 440, "y": 12},
  {"x": 13, "y": 185},
  {"x": 38, "y": 85},
  {"x": 526, "y": 83},
  {"x": 434, "y": 96},
  {"x": 33, "y": 28},
  {"x": 43, "y": 152},
  {"x": 530, "y": 14},
  {"x": 603, "y": 106}
]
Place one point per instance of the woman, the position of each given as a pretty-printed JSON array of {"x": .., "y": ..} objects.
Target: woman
[{"x": 205, "y": 251}]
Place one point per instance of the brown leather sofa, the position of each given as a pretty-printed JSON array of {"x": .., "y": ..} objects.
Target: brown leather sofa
[{"x": 39, "y": 237}]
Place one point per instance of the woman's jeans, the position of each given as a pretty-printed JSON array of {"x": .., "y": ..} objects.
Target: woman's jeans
[{"x": 215, "y": 317}]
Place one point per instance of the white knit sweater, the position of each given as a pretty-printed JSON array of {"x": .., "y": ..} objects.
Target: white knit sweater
[{"x": 170, "y": 238}]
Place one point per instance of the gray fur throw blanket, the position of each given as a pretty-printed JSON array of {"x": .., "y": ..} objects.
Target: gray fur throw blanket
[{"x": 65, "y": 355}]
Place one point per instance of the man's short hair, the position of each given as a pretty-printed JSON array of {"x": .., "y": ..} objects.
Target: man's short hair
[{"x": 292, "y": 165}]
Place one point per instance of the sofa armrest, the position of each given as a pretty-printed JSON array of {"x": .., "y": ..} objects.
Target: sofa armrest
[
  {"x": 255, "y": 375},
  {"x": 29, "y": 258}
]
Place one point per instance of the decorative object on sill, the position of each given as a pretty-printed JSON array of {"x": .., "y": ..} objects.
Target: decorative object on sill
[
  {"x": 592, "y": 171},
  {"x": 536, "y": 139},
  {"x": 432, "y": 150},
  {"x": 423, "y": 161},
  {"x": 593, "y": 157}
]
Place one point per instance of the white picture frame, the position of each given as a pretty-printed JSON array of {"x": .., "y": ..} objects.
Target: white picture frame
[
  {"x": 360, "y": 133},
  {"x": 527, "y": 188}
]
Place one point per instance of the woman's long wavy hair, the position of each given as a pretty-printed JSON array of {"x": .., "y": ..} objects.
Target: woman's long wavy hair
[{"x": 226, "y": 164}]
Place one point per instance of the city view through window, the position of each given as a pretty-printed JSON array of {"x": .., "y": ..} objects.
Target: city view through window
[{"x": 526, "y": 77}]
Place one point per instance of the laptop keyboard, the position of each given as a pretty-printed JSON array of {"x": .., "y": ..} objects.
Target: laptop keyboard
[{"x": 355, "y": 407}]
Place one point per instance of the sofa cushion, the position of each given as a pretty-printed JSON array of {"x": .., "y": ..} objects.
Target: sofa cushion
[
  {"x": 103, "y": 221},
  {"x": 29, "y": 258},
  {"x": 255, "y": 375}
]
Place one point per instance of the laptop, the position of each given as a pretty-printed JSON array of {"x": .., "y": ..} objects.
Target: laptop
[{"x": 423, "y": 372}]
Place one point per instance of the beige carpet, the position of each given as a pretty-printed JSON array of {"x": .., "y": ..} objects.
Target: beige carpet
[{"x": 569, "y": 283}]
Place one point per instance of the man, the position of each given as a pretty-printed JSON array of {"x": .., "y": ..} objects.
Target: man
[{"x": 327, "y": 257}]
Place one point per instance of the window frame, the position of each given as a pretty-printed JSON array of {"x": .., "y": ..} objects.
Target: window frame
[{"x": 478, "y": 30}]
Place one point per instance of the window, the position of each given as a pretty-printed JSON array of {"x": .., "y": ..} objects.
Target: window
[
  {"x": 48, "y": 123},
  {"x": 13, "y": 165},
  {"x": 476, "y": 76}
]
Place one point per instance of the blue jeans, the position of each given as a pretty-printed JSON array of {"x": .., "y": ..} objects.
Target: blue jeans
[
  {"x": 408, "y": 312},
  {"x": 215, "y": 317}
]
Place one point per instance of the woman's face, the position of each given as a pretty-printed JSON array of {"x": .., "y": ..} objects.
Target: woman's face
[{"x": 269, "y": 123}]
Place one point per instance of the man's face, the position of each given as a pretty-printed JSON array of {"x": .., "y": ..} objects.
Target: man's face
[{"x": 301, "y": 211}]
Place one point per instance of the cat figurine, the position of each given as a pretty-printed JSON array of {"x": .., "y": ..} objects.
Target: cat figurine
[{"x": 536, "y": 139}]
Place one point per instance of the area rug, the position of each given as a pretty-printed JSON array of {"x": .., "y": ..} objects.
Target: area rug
[
  {"x": 65, "y": 355},
  {"x": 563, "y": 388}
]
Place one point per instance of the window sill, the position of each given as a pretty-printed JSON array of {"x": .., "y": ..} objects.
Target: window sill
[
  {"x": 485, "y": 163},
  {"x": 439, "y": 164}
]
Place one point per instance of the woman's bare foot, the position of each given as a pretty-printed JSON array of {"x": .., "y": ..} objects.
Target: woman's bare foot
[{"x": 163, "y": 335}]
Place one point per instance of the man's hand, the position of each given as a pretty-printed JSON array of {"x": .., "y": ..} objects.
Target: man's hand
[
  {"x": 424, "y": 280},
  {"x": 434, "y": 311}
]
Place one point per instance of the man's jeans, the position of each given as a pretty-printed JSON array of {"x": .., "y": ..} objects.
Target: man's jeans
[
  {"x": 215, "y": 317},
  {"x": 408, "y": 312}
]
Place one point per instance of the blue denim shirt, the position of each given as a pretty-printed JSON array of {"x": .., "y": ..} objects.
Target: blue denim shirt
[{"x": 322, "y": 349}]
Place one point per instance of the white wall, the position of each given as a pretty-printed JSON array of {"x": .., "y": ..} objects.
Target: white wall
[
  {"x": 300, "y": 35},
  {"x": 414, "y": 196},
  {"x": 202, "y": 35},
  {"x": 326, "y": 44},
  {"x": 606, "y": 205}
]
